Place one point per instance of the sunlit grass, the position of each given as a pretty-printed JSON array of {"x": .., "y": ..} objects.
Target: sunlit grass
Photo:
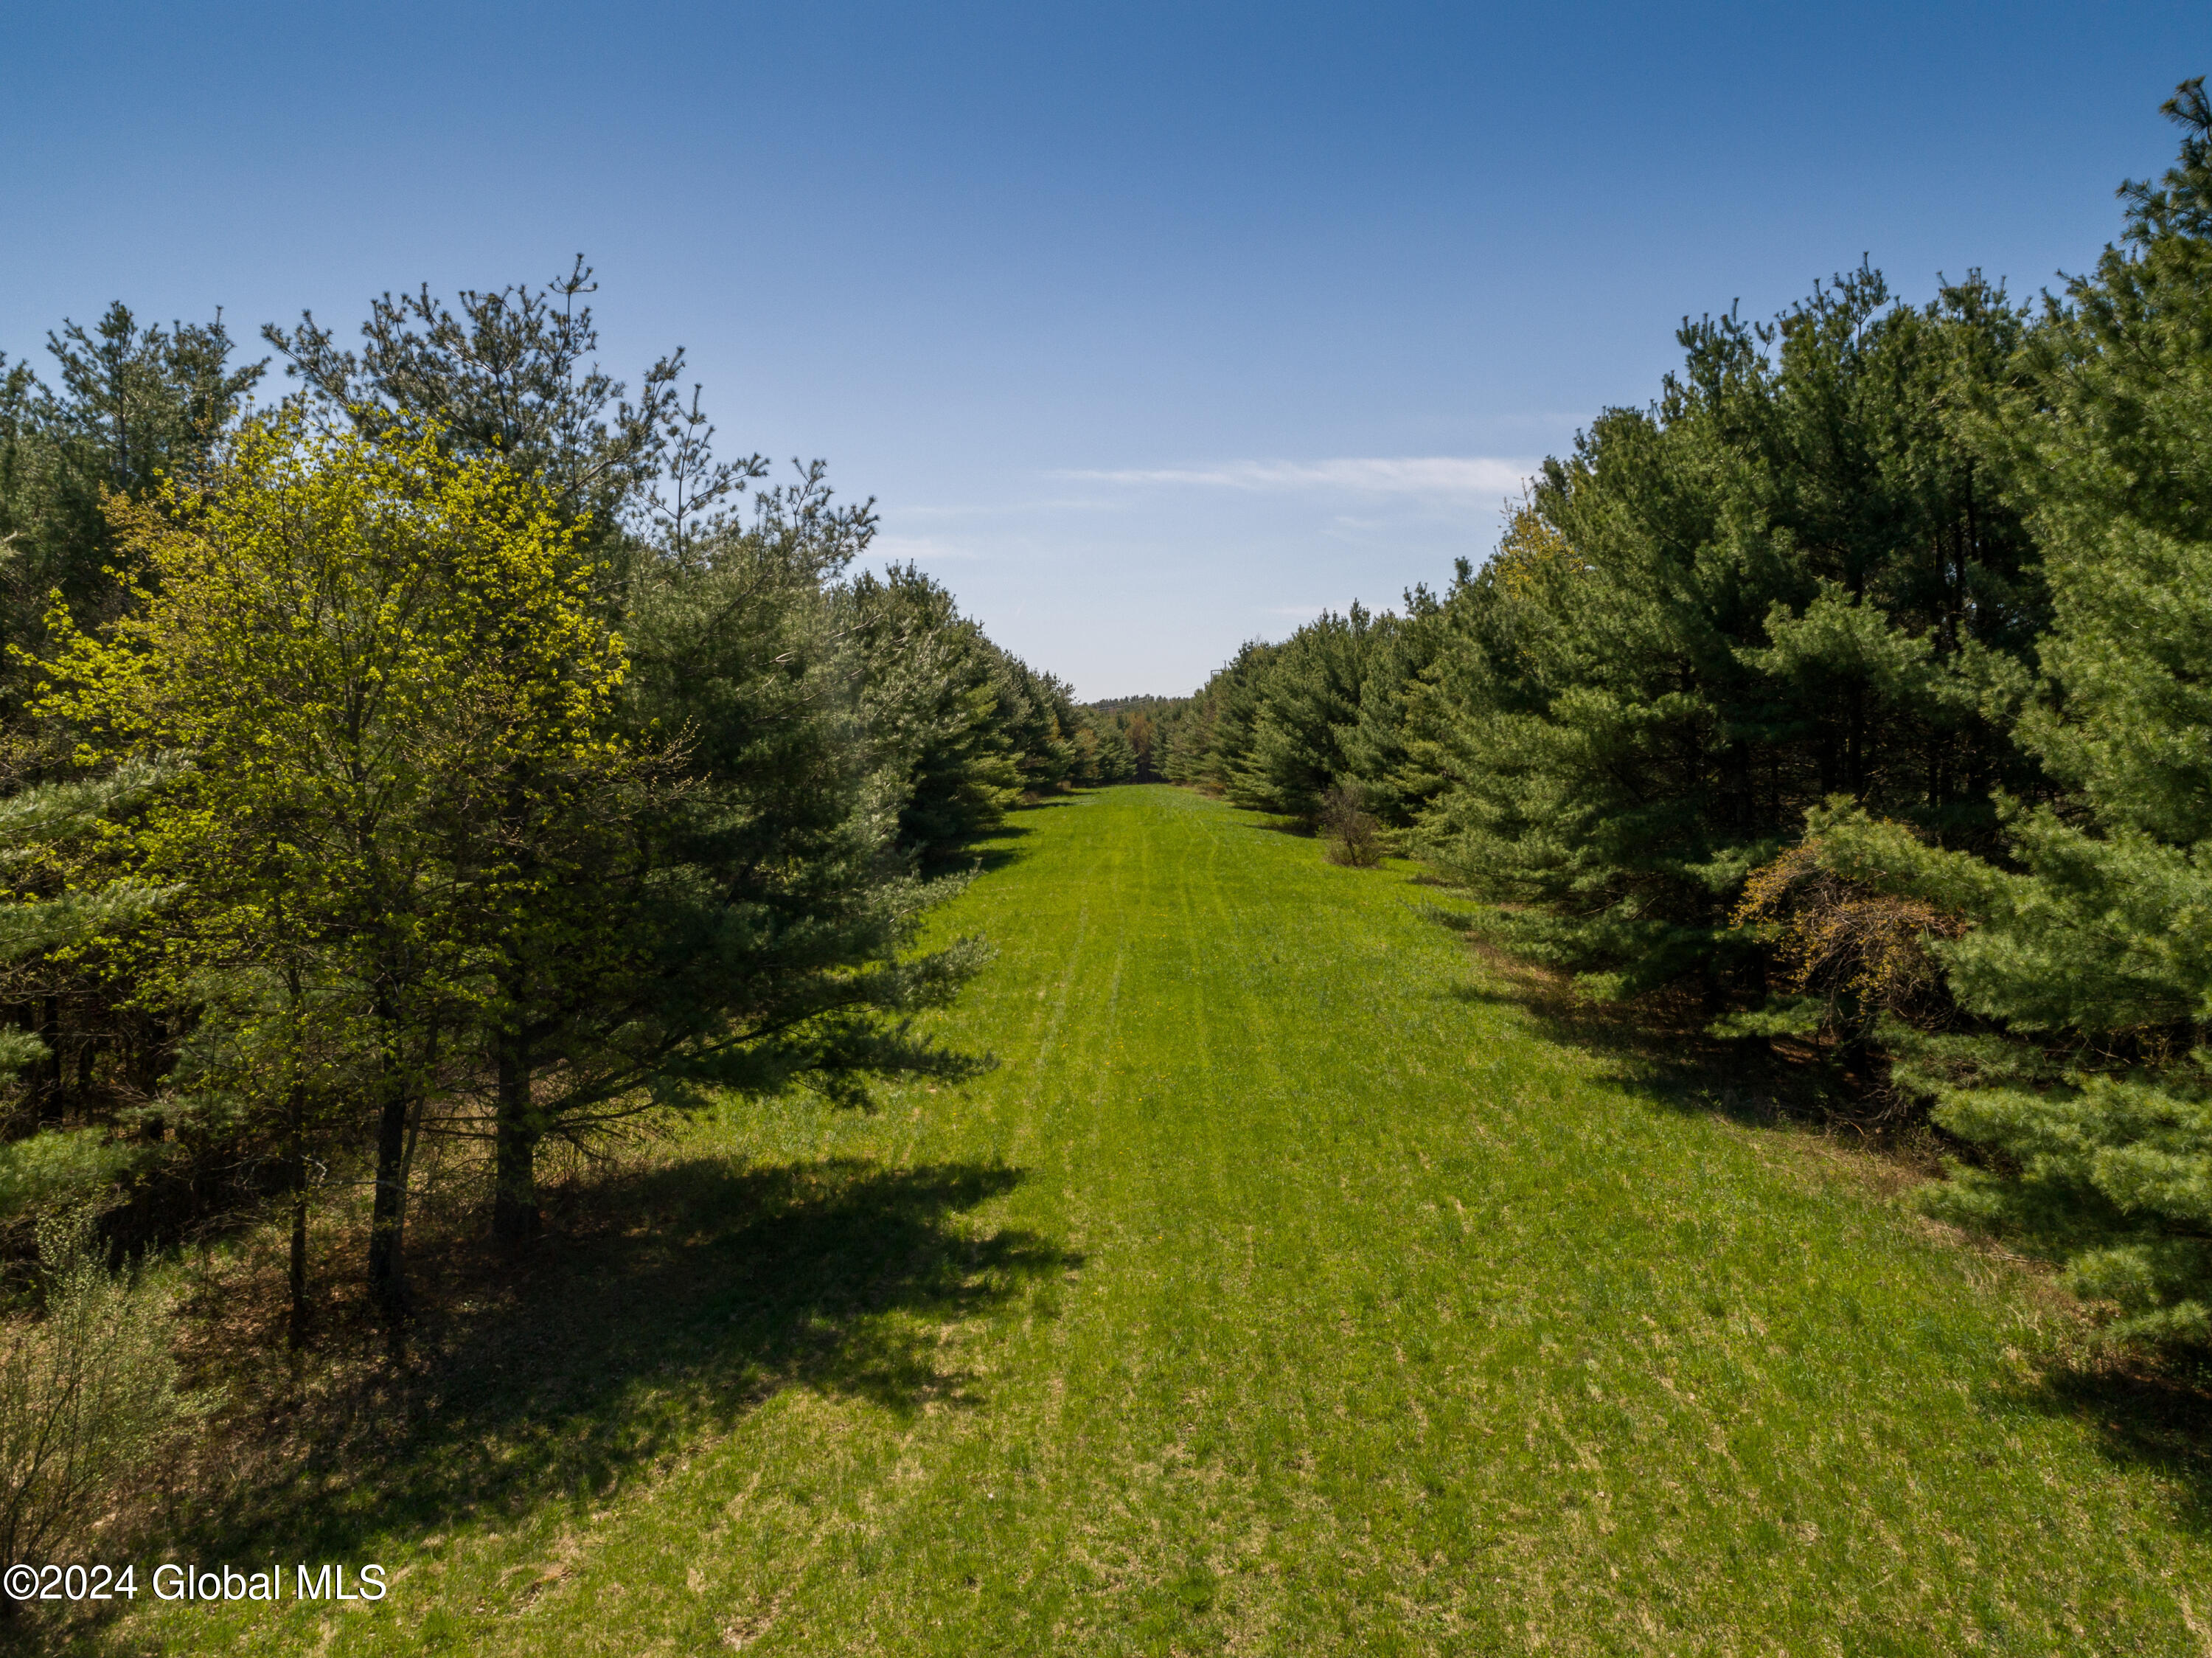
[{"x": 1289, "y": 1287}]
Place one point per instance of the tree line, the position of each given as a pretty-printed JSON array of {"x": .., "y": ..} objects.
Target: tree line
[
  {"x": 1857, "y": 687},
  {"x": 454, "y": 752}
]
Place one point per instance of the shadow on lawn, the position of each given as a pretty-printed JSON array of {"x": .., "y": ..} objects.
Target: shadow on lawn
[
  {"x": 987, "y": 856},
  {"x": 1661, "y": 1053},
  {"x": 713, "y": 1289},
  {"x": 2154, "y": 1414},
  {"x": 1294, "y": 827}
]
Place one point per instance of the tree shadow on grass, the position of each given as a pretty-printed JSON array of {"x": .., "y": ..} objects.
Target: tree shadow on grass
[
  {"x": 2153, "y": 1414},
  {"x": 990, "y": 853},
  {"x": 986, "y": 855},
  {"x": 1297, "y": 828},
  {"x": 2148, "y": 1412},
  {"x": 595, "y": 1356},
  {"x": 1657, "y": 1049}
]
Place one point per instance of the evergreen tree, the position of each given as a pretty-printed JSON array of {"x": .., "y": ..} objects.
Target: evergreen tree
[
  {"x": 1395, "y": 782},
  {"x": 1791, "y": 577},
  {"x": 933, "y": 702},
  {"x": 1309, "y": 704},
  {"x": 779, "y": 922},
  {"x": 747, "y": 925},
  {"x": 1222, "y": 731},
  {"x": 1147, "y": 724},
  {"x": 2091, "y": 946},
  {"x": 131, "y": 405},
  {"x": 134, "y": 404},
  {"x": 1036, "y": 711},
  {"x": 1116, "y": 758},
  {"x": 512, "y": 373}
]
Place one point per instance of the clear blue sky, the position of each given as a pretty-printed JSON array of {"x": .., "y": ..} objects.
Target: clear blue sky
[{"x": 1152, "y": 328}]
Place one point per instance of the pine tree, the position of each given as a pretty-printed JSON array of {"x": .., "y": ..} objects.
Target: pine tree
[
  {"x": 511, "y": 374},
  {"x": 131, "y": 405},
  {"x": 1791, "y": 577},
  {"x": 773, "y": 944},
  {"x": 1218, "y": 741},
  {"x": 1117, "y": 756},
  {"x": 931, "y": 701},
  {"x": 134, "y": 403},
  {"x": 1037, "y": 712},
  {"x": 1394, "y": 781},
  {"x": 2092, "y": 947},
  {"x": 1308, "y": 703}
]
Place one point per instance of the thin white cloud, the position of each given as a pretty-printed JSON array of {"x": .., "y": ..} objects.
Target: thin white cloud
[
  {"x": 1006, "y": 509},
  {"x": 917, "y": 549},
  {"x": 1425, "y": 476}
]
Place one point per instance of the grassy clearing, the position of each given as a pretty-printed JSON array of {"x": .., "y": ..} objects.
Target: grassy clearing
[{"x": 1291, "y": 1288}]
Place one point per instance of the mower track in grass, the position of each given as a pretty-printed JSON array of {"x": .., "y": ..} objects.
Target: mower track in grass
[{"x": 1288, "y": 1288}]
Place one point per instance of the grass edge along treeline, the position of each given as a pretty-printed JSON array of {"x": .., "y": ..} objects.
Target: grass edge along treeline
[
  {"x": 1857, "y": 684},
  {"x": 435, "y": 768}
]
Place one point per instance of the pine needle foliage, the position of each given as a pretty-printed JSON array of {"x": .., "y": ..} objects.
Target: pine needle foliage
[
  {"x": 2090, "y": 960},
  {"x": 1790, "y": 578}
]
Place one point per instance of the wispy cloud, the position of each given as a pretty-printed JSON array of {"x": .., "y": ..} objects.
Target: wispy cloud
[
  {"x": 1425, "y": 476},
  {"x": 1008, "y": 509},
  {"x": 917, "y": 549}
]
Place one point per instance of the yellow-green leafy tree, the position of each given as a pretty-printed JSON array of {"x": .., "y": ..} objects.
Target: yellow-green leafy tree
[{"x": 391, "y": 691}]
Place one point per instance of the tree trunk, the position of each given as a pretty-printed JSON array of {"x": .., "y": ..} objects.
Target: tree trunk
[
  {"x": 295, "y": 1335},
  {"x": 388, "y": 1280},
  {"x": 141, "y": 1063},
  {"x": 52, "y": 1095},
  {"x": 387, "y": 1221},
  {"x": 514, "y": 1216}
]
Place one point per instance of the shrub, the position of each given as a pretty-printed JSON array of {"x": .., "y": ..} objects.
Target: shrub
[
  {"x": 88, "y": 1393},
  {"x": 1351, "y": 833},
  {"x": 1845, "y": 953}
]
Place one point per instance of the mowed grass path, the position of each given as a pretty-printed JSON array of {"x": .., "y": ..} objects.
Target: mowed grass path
[{"x": 1287, "y": 1290}]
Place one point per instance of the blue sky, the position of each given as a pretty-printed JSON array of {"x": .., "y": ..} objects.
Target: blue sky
[{"x": 1150, "y": 328}]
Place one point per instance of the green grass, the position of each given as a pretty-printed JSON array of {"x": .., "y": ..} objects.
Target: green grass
[{"x": 1290, "y": 1288}]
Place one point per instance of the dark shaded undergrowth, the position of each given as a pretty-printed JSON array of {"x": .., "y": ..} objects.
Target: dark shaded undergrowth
[{"x": 676, "y": 1298}]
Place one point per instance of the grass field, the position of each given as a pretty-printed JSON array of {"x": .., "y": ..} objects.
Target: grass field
[{"x": 1290, "y": 1286}]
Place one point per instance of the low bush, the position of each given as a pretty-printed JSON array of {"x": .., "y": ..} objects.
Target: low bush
[
  {"x": 1351, "y": 834},
  {"x": 89, "y": 1394}
]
